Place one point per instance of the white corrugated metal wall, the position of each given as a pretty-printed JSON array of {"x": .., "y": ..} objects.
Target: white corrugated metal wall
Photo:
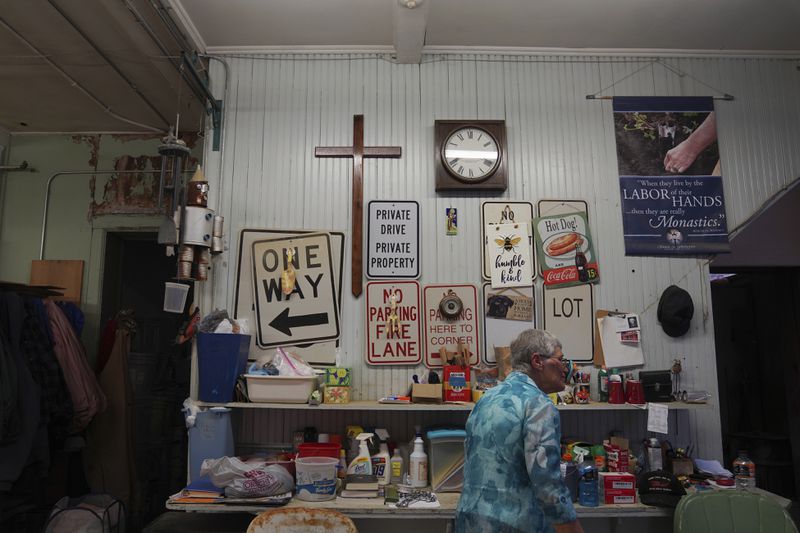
[{"x": 560, "y": 145}]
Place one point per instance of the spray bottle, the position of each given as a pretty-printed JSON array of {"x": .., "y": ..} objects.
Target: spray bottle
[
  {"x": 380, "y": 465},
  {"x": 362, "y": 463}
]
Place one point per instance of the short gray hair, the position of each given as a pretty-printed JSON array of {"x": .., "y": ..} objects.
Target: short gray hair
[{"x": 529, "y": 341}]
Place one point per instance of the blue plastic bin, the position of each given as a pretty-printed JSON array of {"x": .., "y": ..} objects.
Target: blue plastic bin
[
  {"x": 211, "y": 437},
  {"x": 221, "y": 358}
]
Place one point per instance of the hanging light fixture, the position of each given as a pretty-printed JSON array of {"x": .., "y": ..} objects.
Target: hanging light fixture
[{"x": 174, "y": 153}]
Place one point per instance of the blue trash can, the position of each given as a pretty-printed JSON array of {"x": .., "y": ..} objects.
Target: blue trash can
[{"x": 221, "y": 358}]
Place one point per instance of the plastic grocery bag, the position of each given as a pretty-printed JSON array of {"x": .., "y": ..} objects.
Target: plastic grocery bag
[
  {"x": 247, "y": 480},
  {"x": 289, "y": 364}
]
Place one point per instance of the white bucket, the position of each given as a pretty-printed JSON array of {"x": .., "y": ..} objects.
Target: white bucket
[{"x": 316, "y": 478}]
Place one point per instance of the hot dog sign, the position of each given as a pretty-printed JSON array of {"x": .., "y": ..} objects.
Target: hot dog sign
[{"x": 565, "y": 251}]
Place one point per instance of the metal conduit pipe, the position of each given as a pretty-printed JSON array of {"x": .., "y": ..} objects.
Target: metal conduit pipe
[
  {"x": 76, "y": 173},
  {"x": 21, "y": 166},
  {"x": 74, "y": 83},
  {"x": 176, "y": 62},
  {"x": 173, "y": 28},
  {"x": 108, "y": 60}
]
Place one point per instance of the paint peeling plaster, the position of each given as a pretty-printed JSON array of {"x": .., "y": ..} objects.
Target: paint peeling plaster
[{"x": 127, "y": 193}]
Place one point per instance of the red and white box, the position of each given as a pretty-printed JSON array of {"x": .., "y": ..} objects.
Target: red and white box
[
  {"x": 617, "y": 459},
  {"x": 617, "y": 487}
]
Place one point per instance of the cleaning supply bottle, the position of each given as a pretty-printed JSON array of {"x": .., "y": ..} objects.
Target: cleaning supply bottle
[
  {"x": 380, "y": 465},
  {"x": 587, "y": 487},
  {"x": 396, "y": 463},
  {"x": 418, "y": 465},
  {"x": 362, "y": 464},
  {"x": 341, "y": 468}
]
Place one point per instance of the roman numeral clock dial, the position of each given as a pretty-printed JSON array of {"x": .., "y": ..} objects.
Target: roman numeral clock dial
[{"x": 470, "y": 155}]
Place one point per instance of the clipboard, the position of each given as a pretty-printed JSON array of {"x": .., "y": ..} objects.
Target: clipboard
[{"x": 622, "y": 355}]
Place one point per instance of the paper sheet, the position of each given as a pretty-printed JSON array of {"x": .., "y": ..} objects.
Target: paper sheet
[
  {"x": 657, "y": 418},
  {"x": 712, "y": 466},
  {"x": 615, "y": 352}
]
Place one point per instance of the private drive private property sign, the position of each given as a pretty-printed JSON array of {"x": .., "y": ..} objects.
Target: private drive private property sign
[
  {"x": 309, "y": 313},
  {"x": 393, "y": 240},
  {"x": 393, "y": 334}
]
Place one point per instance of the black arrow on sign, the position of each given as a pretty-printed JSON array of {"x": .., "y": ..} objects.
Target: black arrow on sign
[{"x": 284, "y": 323}]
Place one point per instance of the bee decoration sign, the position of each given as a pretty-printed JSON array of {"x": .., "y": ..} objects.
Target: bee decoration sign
[{"x": 511, "y": 263}]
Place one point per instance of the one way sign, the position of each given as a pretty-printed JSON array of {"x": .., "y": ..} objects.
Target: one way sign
[{"x": 309, "y": 313}]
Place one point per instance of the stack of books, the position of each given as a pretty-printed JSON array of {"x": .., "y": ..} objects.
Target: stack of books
[
  {"x": 360, "y": 486},
  {"x": 199, "y": 491}
]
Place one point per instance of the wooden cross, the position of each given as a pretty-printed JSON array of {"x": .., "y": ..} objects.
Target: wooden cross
[{"x": 358, "y": 152}]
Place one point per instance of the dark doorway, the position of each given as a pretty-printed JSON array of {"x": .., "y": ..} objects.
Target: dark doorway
[
  {"x": 757, "y": 335},
  {"x": 136, "y": 268}
]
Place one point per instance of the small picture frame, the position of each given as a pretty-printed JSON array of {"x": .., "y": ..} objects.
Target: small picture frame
[{"x": 451, "y": 221}]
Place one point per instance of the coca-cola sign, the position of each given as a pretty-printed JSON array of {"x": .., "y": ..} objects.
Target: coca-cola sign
[{"x": 565, "y": 251}]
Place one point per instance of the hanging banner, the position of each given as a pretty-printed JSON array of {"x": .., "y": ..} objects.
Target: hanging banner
[
  {"x": 566, "y": 253},
  {"x": 669, "y": 176},
  {"x": 393, "y": 329},
  {"x": 511, "y": 263}
]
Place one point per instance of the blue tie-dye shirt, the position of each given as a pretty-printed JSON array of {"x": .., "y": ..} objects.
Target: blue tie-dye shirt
[{"x": 512, "y": 479}]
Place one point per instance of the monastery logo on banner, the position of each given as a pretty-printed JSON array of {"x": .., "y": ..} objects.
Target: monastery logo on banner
[{"x": 669, "y": 176}]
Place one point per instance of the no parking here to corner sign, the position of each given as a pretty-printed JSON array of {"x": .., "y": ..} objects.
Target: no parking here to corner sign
[{"x": 310, "y": 312}]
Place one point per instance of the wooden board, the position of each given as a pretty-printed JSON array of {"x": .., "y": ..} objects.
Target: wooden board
[{"x": 65, "y": 273}]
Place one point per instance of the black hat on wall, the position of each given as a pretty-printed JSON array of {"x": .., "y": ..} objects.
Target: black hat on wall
[{"x": 675, "y": 311}]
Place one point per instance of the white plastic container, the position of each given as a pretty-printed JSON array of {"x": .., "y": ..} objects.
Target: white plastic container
[
  {"x": 175, "y": 297},
  {"x": 418, "y": 465},
  {"x": 316, "y": 478},
  {"x": 280, "y": 389}
]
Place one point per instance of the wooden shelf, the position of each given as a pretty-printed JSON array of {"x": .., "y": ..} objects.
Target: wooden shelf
[
  {"x": 368, "y": 405},
  {"x": 374, "y": 508}
]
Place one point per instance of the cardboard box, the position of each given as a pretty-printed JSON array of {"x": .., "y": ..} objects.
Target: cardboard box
[
  {"x": 617, "y": 487},
  {"x": 426, "y": 393},
  {"x": 611, "y": 481},
  {"x": 457, "y": 383},
  {"x": 336, "y": 395},
  {"x": 682, "y": 466},
  {"x": 619, "y": 498},
  {"x": 617, "y": 454},
  {"x": 337, "y": 377}
]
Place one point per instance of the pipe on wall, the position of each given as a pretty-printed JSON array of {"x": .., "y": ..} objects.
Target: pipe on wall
[{"x": 76, "y": 173}]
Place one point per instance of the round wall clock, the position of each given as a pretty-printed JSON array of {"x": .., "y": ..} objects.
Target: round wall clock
[{"x": 470, "y": 155}]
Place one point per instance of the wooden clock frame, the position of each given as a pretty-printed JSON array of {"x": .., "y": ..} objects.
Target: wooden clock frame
[{"x": 447, "y": 180}]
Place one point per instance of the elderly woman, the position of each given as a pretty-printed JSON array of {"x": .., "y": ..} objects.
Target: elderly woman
[{"x": 512, "y": 480}]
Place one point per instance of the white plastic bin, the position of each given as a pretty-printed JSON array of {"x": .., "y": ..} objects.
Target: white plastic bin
[
  {"x": 316, "y": 478},
  {"x": 280, "y": 389}
]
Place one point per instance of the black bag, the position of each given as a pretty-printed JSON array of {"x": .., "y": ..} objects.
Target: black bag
[{"x": 657, "y": 385}]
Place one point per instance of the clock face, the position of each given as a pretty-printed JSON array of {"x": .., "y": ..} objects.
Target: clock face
[{"x": 471, "y": 153}]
